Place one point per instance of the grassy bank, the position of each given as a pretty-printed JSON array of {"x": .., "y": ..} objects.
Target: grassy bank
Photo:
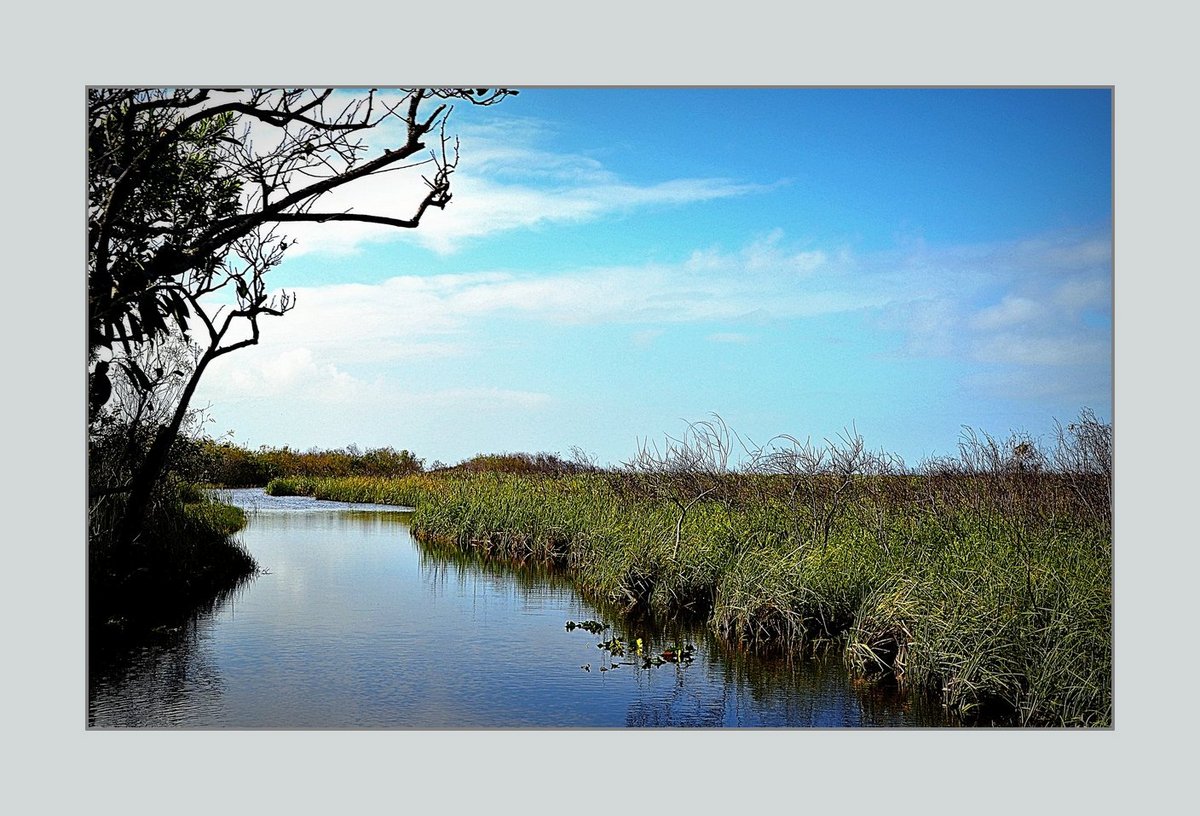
[
  {"x": 984, "y": 581},
  {"x": 187, "y": 558}
]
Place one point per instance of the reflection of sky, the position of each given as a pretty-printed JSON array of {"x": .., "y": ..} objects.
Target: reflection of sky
[{"x": 354, "y": 626}]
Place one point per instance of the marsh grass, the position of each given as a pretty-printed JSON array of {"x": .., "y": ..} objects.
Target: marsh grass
[
  {"x": 186, "y": 558},
  {"x": 984, "y": 580}
]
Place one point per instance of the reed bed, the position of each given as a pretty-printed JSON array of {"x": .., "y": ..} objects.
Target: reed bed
[{"x": 985, "y": 581}]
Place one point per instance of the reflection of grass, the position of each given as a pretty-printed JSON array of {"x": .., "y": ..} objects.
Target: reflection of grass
[
  {"x": 530, "y": 579},
  {"x": 991, "y": 589}
]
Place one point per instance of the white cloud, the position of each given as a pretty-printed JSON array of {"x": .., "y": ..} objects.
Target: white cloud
[
  {"x": 1082, "y": 387},
  {"x": 1015, "y": 310},
  {"x": 482, "y": 207},
  {"x": 931, "y": 297},
  {"x": 505, "y": 181},
  {"x": 1043, "y": 350},
  {"x": 335, "y": 328},
  {"x": 1014, "y": 303},
  {"x": 295, "y": 380},
  {"x": 420, "y": 316},
  {"x": 507, "y": 146},
  {"x": 1085, "y": 293},
  {"x": 1070, "y": 252},
  {"x": 1008, "y": 312},
  {"x": 292, "y": 373}
]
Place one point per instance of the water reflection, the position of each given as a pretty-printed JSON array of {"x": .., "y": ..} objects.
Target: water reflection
[
  {"x": 168, "y": 679},
  {"x": 722, "y": 686},
  {"x": 356, "y": 625}
]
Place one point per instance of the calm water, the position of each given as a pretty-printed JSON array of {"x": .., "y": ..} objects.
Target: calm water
[{"x": 356, "y": 625}]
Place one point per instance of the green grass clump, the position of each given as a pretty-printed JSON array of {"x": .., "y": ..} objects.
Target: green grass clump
[
  {"x": 405, "y": 490},
  {"x": 212, "y": 517},
  {"x": 1018, "y": 634}
]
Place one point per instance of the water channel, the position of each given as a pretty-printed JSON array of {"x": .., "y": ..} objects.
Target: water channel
[{"x": 354, "y": 624}]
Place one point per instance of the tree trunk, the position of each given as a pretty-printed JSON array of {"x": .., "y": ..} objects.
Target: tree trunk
[{"x": 151, "y": 470}]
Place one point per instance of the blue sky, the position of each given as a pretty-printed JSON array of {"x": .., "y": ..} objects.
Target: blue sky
[{"x": 616, "y": 262}]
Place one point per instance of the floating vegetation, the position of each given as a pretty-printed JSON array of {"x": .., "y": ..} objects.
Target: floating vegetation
[
  {"x": 614, "y": 645},
  {"x": 595, "y": 627},
  {"x": 679, "y": 654},
  {"x": 617, "y": 647}
]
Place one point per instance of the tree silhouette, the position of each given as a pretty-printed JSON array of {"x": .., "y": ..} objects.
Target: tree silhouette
[{"x": 187, "y": 192}]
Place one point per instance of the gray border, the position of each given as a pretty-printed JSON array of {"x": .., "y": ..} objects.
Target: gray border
[{"x": 1143, "y": 54}]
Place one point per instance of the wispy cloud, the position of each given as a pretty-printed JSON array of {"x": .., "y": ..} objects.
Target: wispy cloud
[
  {"x": 1010, "y": 311},
  {"x": 263, "y": 373},
  {"x": 411, "y": 316},
  {"x": 1024, "y": 320},
  {"x": 295, "y": 376},
  {"x": 505, "y": 181},
  {"x": 1027, "y": 305},
  {"x": 1043, "y": 349}
]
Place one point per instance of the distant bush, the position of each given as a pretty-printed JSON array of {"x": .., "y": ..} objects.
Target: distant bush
[
  {"x": 234, "y": 466},
  {"x": 542, "y": 463}
]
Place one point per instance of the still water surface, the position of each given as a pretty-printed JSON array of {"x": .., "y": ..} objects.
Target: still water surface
[{"x": 356, "y": 625}]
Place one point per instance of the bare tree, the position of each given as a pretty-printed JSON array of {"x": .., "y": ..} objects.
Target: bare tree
[
  {"x": 187, "y": 192},
  {"x": 1084, "y": 453},
  {"x": 684, "y": 470},
  {"x": 821, "y": 478}
]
